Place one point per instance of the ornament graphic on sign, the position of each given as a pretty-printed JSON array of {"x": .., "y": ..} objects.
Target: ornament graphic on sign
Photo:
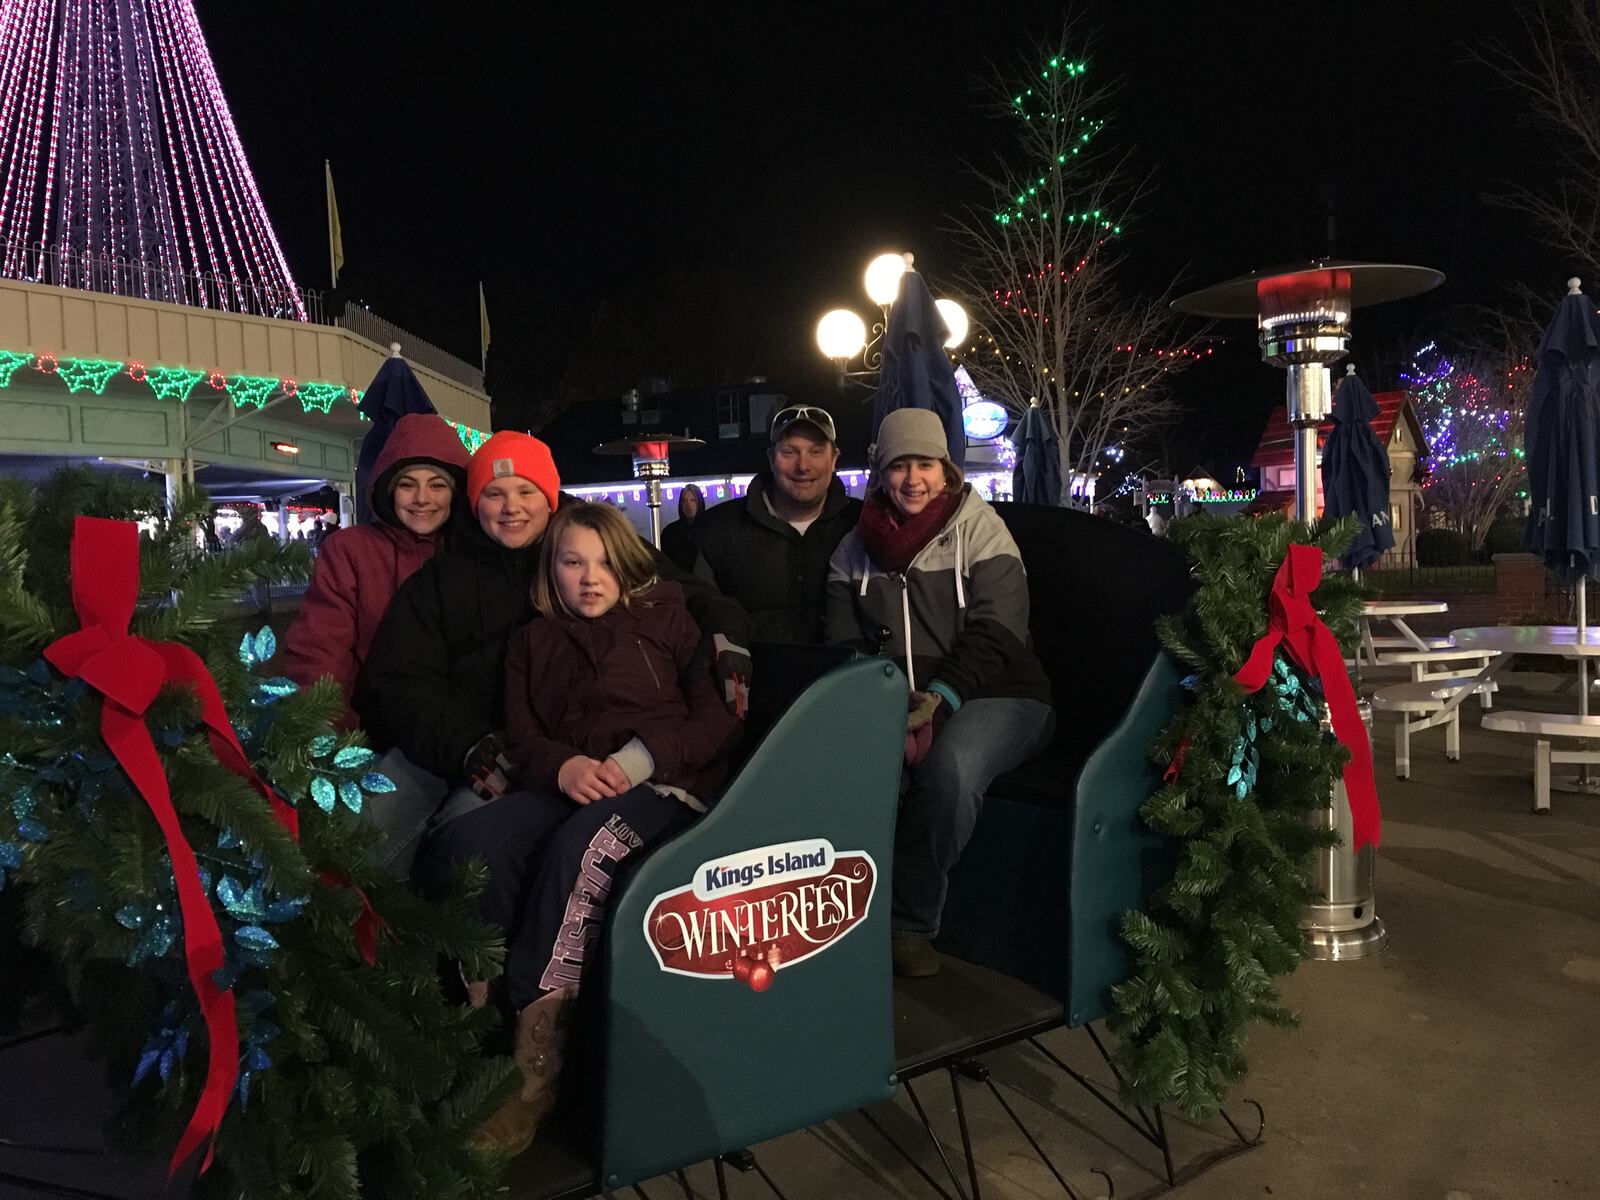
[{"x": 749, "y": 915}]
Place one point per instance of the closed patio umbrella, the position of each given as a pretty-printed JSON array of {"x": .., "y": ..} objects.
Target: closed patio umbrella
[
  {"x": 1036, "y": 479},
  {"x": 393, "y": 393},
  {"x": 916, "y": 371},
  {"x": 1355, "y": 473},
  {"x": 1562, "y": 447}
]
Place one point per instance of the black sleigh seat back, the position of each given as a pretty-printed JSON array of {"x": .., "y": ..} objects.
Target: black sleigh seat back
[{"x": 1059, "y": 852}]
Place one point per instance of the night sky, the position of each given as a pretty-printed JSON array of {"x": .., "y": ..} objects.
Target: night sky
[{"x": 693, "y": 185}]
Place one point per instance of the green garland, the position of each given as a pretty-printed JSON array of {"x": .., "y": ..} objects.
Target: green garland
[
  {"x": 1210, "y": 944},
  {"x": 354, "y": 1079}
]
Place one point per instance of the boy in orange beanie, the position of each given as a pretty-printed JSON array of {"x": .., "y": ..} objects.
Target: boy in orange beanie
[{"x": 513, "y": 487}]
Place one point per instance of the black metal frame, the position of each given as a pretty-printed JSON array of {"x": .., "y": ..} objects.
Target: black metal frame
[{"x": 1149, "y": 1123}]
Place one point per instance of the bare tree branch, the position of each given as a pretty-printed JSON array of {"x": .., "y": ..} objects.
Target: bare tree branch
[
  {"x": 1557, "y": 72},
  {"x": 1039, "y": 265}
]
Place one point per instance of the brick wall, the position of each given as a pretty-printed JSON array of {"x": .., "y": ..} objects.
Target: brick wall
[{"x": 1519, "y": 587}]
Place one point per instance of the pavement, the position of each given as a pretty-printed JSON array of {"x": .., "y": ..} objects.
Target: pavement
[{"x": 1463, "y": 1063}]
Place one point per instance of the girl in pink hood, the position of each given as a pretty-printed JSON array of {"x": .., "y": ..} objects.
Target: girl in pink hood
[{"x": 417, "y": 482}]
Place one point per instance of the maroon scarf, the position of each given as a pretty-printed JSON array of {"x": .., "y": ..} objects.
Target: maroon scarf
[{"x": 893, "y": 539}]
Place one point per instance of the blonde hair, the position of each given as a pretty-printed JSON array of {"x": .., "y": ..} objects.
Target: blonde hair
[{"x": 626, "y": 552}]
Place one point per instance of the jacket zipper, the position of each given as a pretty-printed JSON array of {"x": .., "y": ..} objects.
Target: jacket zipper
[{"x": 648, "y": 665}]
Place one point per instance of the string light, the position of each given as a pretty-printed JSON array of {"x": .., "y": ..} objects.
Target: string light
[
  {"x": 87, "y": 374},
  {"x": 178, "y": 384},
  {"x": 123, "y": 149},
  {"x": 173, "y": 383},
  {"x": 319, "y": 397},
  {"x": 251, "y": 389}
]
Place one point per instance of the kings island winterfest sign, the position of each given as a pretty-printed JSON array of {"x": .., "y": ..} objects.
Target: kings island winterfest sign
[{"x": 748, "y": 915}]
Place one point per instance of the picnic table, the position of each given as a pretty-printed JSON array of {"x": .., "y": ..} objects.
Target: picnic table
[
  {"x": 1395, "y": 612},
  {"x": 1554, "y": 641}
]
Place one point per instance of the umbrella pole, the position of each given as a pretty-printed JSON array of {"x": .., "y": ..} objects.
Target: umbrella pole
[{"x": 1583, "y": 663}]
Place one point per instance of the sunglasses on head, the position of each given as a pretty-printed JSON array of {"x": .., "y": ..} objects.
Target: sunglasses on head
[{"x": 815, "y": 416}]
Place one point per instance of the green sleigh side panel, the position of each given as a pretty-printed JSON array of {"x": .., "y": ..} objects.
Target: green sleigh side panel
[{"x": 696, "y": 1063}]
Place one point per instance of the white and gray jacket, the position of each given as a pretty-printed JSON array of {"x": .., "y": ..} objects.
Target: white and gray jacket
[{"x": 959, "y": 614}]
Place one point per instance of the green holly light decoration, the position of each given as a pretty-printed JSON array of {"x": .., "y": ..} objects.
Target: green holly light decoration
[
  {"x": 1247, "y": 772},
  {"x": 87, "y": 374},
  {"x": 470, "y": 438},
  {"x": 10, "y": 362},
  {"x": 173, "y": 383},
  {"x": 320, "y": 397},
  {"x": 252, "y": 389}
]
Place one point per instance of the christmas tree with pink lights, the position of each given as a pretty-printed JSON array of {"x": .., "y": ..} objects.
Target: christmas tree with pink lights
[{"x": 120, "y": 167}]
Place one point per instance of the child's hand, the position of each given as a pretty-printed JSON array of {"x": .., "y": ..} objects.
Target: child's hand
[
  {"x": 611, "y": 771},
  {"x": 580, "y": 779}
]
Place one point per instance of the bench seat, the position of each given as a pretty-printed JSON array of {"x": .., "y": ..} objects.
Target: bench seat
[
  {"x": 1427, "y": 699},
  {"x": 1450, "y": 662},
  {"x": 1546, "y": 726}
]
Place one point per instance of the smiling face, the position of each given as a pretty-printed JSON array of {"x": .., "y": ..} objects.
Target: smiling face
[
  {"x": 802, "y": 467},
  {"x": 422, "y": 500},
  {"x": 584, "y": 579},
  {"x": 912, "y": 483},
  {"x": 513, "y": 511}
]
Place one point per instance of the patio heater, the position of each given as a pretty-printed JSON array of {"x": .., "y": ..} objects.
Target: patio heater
[
  {"x": 1303, "y": 317},
  {"x": 650, "y": 452}
]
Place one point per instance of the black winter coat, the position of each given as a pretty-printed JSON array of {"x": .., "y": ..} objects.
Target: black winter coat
[
  {"x": 433, "y": 684},
  {"x": 778, "y": 577}
]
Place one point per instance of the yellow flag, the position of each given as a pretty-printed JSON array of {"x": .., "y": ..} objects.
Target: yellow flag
[
  {"x": 335, "y": 232},
  {"x": 483, "y": 325}
]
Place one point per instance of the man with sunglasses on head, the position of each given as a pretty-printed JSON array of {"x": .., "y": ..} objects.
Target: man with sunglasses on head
[{"x": 769, "y": 550}]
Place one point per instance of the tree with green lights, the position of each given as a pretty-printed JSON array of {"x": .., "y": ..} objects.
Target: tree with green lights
[
  {"x": 356, "y": 1075},
  {"x": 1245, "y": 773},
  {"x": 1039, "y": 266}
]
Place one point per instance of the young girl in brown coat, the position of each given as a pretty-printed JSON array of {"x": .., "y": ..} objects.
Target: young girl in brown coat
[{"x": 618, "y": 734}]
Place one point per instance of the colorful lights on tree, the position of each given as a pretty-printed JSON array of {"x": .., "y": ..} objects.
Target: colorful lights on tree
[{"x": 120, "y": 148}]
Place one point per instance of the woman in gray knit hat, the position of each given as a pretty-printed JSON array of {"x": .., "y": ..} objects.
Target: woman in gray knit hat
[{"x": 933, "y": 564}]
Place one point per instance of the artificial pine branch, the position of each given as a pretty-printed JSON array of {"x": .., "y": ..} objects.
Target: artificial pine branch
[
  {"x": 373, "y": 1076},
  {"x": 1212, "y": 942}
]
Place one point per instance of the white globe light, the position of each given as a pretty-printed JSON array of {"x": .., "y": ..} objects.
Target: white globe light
[
  {"x": 883, "y": 278},
  {"x": 955, "y": 319},
  {"x": 841, "y": 334}
]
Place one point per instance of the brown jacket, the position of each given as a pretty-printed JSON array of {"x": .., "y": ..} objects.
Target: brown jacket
[{"x": 580, "y": 686}]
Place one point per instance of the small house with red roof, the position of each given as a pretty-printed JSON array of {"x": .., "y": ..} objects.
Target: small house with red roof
[{"x": 1397, "y": 428}]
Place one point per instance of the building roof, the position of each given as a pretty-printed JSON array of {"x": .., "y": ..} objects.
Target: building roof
[{"x": 1276, "y": 448}]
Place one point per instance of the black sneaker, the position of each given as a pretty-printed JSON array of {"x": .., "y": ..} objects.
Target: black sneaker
[{"x": 913, "y": 957}]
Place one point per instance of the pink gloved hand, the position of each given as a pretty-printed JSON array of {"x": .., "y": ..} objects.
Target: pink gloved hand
[{"x": 918, "y": 742}]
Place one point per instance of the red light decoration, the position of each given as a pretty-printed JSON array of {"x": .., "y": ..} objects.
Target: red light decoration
[{"x": 47, "y": 364}]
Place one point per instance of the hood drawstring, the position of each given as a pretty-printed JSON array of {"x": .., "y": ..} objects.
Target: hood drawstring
[
  {"x": 905, "y": 611},
  {"x": 961, "y": 589}
]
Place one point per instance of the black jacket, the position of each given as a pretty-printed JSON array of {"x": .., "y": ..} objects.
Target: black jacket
[
  {"x": 777, "y": 576},
  {"x": 433, "y": 683}
]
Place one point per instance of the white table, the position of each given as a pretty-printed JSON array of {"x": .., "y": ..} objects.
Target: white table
[
  {"x": 1395, "y": 612},
  {"x": 1552, "y": 641}
]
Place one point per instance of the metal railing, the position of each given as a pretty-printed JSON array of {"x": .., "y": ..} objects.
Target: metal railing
[
  {"x": 365, "y": 323},
  {"x": 80, "y": 270},
  {"x": 1399, "y": 571}
]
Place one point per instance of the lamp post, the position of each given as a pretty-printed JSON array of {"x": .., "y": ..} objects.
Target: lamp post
[
  {"x": 649, "y": 452},
  {"x": 842, "y": 335},
  {"x": 1303, "y": 318}
]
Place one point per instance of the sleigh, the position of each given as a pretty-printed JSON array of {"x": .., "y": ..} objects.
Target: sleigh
[{"x": 704, "y": 1051}]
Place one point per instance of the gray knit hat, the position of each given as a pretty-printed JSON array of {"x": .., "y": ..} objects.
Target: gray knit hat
[{"x": 910, "y": 432}]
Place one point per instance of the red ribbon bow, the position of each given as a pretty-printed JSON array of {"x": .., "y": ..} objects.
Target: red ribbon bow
[
  {"x": 128, "y": 672},
  {"x": 1310, "y": 645}
]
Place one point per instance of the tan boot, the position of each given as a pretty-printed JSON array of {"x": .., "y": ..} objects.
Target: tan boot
[{"x": 540, "y": 1050}]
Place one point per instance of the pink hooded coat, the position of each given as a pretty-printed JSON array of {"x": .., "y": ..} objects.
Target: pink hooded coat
[{"x": 360, "y": 569}]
